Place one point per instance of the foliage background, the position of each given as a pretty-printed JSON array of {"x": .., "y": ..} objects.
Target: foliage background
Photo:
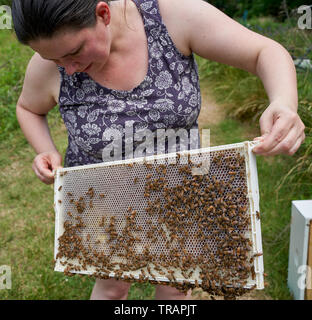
[{"x": 256, "y": 8}]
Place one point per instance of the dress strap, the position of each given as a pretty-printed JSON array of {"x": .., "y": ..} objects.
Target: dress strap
[{"x": 149, "y": 10}]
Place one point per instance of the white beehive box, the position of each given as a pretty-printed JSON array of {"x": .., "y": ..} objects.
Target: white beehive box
[{"x": 300, "y": 250}]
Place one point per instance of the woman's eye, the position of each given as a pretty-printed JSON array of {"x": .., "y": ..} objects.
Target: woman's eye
[{"x": 76, "y": 53}]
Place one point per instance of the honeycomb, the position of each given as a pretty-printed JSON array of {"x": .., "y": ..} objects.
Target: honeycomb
[{"x": 186, "y": 219}]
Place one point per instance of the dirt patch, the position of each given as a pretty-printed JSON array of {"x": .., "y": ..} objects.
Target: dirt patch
[{"x": 211, "y": 113}]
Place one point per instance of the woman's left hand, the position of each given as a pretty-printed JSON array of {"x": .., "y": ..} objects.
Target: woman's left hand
[{"x": 282, "y": 131}]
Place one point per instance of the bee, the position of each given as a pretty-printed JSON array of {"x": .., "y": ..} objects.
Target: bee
[
  {"x": 136, "y": 179},
  {"x": 242, "y": 173},
  {"x": 190, "y": 273},
  {"x": 258, "y": 254},
  {"x": 258, "y": 215},
  {"x": 60, "y": 201},
  {"x": 80, "y": 205},
  {"x": 148, "y": 165},
  {"x": 189, "y": 161},
  {"x": 60, "y": 188},
  {"x": 169, "y": 277},
  {"x": 90, "y": 192},
  {"x": 164, "y": 171}
]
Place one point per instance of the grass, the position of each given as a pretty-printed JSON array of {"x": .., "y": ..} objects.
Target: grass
[{"x": 14, "y": 58}]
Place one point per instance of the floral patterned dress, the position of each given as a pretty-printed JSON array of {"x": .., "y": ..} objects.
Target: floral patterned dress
[{"x": 167, "y": 98}]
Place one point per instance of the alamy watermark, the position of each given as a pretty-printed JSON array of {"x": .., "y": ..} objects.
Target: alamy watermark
[
  {"x": 5, "y": 17},
  {"x": 127, "y": 144},
  {"x": 305, "y": 21},
  {"x": 305, "y": 278},
  {"x": 5, "y": 277}
]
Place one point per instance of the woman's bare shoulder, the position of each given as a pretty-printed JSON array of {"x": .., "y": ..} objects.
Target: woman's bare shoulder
[
  {"x": 201, "y": 28},
  {"x": 41, "y": 84},
  {"x": 171, "y": 15},
  {"x": 44, "y": 72},
  {"x": 42, "y": 67}
]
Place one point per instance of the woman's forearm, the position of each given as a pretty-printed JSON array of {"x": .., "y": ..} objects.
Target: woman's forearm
[
  {"x": 35, "y": 129},
  {"x": 276, "y": 69}
]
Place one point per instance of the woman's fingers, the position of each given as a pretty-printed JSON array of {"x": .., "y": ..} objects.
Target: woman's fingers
[
  {"x": 56, "y": 161},
  {"x": 296, "y": 146},
  {"x": 286, "y": 134},
  {"x": 271, "y": 140},
  {"x": 289, "y": 145},
  {"x": 42, "y": 175},
  {"x": 44, "y": 164}
]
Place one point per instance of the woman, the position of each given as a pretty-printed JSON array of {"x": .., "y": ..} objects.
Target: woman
[{"x": 110, "y": 64}]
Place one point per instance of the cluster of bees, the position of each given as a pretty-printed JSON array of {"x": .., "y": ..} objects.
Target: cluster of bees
[{"x": 193, "y": 233}]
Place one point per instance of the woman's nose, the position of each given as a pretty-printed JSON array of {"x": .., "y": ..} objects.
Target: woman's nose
[{"x": 71, "y": 68}]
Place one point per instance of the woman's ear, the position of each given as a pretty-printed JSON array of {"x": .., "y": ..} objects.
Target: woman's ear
[{"x": 102, "y": 11}]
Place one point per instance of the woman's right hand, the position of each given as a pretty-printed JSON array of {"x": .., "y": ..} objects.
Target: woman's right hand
[{"x": 45, "y": 163}]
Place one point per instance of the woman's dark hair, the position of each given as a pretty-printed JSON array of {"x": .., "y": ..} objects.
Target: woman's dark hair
[{"x": 35, "y": 19}]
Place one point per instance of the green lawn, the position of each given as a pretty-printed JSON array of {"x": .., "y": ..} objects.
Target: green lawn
[{"x": 13, "y": 60}]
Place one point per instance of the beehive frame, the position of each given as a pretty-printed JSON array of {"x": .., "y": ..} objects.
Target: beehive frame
[{"x": 126, "y": 192}]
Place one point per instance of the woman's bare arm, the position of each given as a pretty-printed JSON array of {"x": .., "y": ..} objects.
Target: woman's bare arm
[
  {"x": 37, "y": 98},
  {"x": 198, "y": 27}
]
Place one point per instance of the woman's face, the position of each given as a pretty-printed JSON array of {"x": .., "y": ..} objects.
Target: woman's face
[{"x": 86, "y": 50}]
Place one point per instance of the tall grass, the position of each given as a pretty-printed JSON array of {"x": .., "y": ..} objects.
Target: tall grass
[
  {"x": 244, "y": 97},
  {"x": 13, "y": 60}
]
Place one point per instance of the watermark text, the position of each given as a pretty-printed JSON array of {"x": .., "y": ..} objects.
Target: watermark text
[
  {"x": 5, "y": 277},
  {"x": 144, "y": 143},
  {"x": 304, "y": 22},
  {"x": 5, "y": 17},
  {"x": 305, "y": 278}
]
